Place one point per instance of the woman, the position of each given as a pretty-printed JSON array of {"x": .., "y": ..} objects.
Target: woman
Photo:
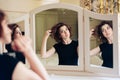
[
  {"x": 104, "y": 32},
  {"x": 66, "y": 48},
  {"x": 11, "y": 68},
  {"x": 16, "y": 32}
]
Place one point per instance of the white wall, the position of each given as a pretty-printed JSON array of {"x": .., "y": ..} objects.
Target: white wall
[{"x": 17, "y": 8}]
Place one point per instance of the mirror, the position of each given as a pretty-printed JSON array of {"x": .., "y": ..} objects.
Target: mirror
[
  {"x": 44, "y": 17},
  {"x": 23, "y": 22},
  {"x": 46, "y": 20},
  {"x": 96, "y": 63},
  {"x": 39, "y": 23},
  {"x": 101, "y": 49}
]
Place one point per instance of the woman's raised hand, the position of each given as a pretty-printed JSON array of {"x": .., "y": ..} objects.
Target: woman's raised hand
[
  {"x": 92, "y": 31},
  {"x": 48, "y": 33},
  {"x": 22, "y": 44}
]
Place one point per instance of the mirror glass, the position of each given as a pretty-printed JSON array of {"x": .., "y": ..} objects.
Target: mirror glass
[
  {"x": 46, "y": 20},
  {"x": 101, "y": 43}
]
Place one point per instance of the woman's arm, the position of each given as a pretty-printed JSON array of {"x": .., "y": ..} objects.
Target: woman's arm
[
  {"x": 94, "y": 51},
  {"x": 23, "y": 45},
  {"x": 44, "y": 53},
  {"x": 22, "y": 73}
]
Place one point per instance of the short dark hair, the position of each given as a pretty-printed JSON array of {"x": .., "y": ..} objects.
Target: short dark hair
[{"x": 55, "y": 31}]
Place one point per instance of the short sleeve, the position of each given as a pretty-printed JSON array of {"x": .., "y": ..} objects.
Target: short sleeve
[
  {"x": 55, "y": 46},
  {"x": 9, "y": 48},
  {"x": 101, "y": 46}
]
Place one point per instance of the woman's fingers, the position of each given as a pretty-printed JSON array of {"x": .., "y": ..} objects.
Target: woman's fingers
[
  {"x": 22, "y": 43},
  {"x": 92, "y": 32},
  {"x": 48, "y": 32}
]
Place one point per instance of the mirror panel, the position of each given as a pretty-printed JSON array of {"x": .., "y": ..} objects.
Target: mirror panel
[
  {"x": 48, "y": 18},
  {"x": 44, "y": 17},
  {"x": 93, "y": 64},
  {"x": 100, "y": 58},
  {"x": 23, "y": 22}
]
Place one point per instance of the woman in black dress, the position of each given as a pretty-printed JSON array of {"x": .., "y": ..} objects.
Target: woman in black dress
[
  {"x": 16, "y": 32},
  {"x": 104, "y": 32},
  {"x": 66, "y": 48}
]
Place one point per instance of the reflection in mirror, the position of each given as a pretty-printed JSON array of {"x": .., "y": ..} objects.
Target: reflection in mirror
[
  {"x": 17, "y": 31},
  {"x": 22, "y": 26},
  {"x": 101, "y": 43},
  {"x": 45, "y": 21}
]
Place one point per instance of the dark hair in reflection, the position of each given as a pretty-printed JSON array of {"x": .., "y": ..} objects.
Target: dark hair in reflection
[
  {"x": 13, "y": 27},
  {"x": 55, "y": 31},
  {"x": 98, "y": 30}
]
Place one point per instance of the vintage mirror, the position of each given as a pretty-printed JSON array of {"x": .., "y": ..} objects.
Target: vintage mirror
[
  {"x": 44, "y": 17},
  {"x": 107, "y": 53},
  {"x": 23, "y": 22},
  {"x": 45, "y": 20}
]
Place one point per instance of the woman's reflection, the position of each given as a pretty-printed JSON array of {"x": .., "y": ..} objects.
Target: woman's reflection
[
  {"x": 66, "y": 48},
  {"x": 104, "y": 32}
]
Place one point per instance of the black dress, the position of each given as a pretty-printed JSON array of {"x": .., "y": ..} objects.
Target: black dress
[
  {"x": 7, "y": 66},
  {"x": 17, "y": 55},
  {"x": 67, "y": 54},
  {"x": 107, "y": 54}
]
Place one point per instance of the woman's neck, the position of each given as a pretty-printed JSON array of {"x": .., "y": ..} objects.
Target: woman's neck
[{"x": 67, "y": 41}]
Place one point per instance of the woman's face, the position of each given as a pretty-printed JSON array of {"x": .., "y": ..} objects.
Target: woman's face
[
  {"x": 6, "y": 35},
  {"x": 17, "y": 32},
  {"x": 64, "y": 32},
  {"x": 107, "y": 31}
]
